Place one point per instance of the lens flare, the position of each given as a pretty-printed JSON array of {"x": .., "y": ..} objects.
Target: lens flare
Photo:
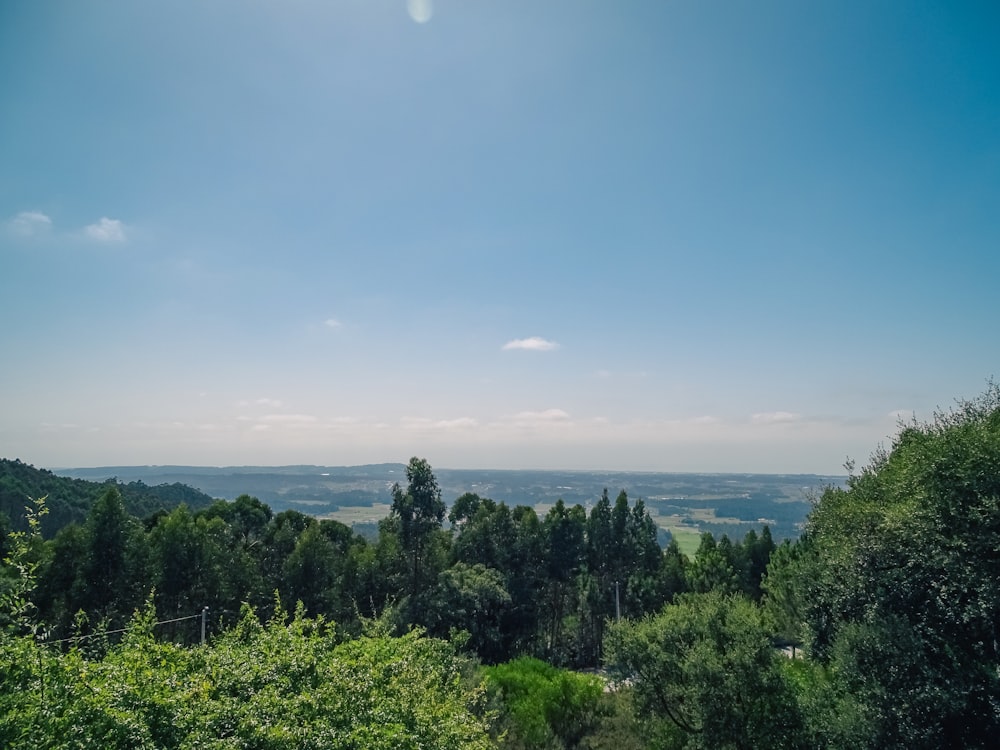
[{"x": 420, "y": 10}]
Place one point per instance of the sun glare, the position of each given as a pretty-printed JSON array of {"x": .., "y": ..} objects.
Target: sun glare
[{"x": 420, "y": 10}]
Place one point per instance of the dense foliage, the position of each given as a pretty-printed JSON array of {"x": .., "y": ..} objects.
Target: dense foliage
[
  {"x": 900, "y": 582},
  {"x": 275, "y": 685}
]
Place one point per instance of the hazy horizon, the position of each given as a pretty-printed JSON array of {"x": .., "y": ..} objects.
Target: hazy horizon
[
  {"x": 402, "y": 464},
  {"x": 687, "y": 237}
]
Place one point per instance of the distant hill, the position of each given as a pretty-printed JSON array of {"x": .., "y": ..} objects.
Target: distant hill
[{"x": 69, "y": 500}]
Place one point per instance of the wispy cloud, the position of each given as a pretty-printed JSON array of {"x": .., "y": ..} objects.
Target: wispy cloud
[
  {"x": 29, "y": 223},
  {"x": 533, "y": 343},
  {"x": 705, "y": 419},
  {"x": 332, "y": 323},
  {"x": 549, "y": 415},
  {"x": 775, "y": 417},
  {"x": 419, "y": 423},
  {"x": 289, "y": 418},
  {"x": 106, "y": 230},
  {"x": 271, "y": 403}
]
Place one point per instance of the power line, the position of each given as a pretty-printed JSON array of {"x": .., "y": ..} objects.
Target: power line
[{"x": 201, "y": 615}]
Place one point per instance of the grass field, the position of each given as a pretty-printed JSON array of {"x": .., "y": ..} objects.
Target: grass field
[
  {"x": 360, "y": 513},
  {"x": 688, "y": 539}
]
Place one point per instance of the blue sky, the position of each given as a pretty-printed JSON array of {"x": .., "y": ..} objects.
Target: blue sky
[{"x": 677, "y": 236}]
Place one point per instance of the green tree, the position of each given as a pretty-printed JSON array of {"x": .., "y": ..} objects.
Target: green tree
[
  {"x": 543, "y": 707},
  {"x": 464, "y": 508},
  {"x": 113, "y": 544},
  {"x": 758, "y": 550},
  {"x": 190, "y": 564},
  {"x": 310, "y": 574},
  {"x": 62, "y": 583},
  {"x": 711, "y": 570},
  {"x": 470, "y": 598},
  {"x": 901, "y": 581},
  {"x": 416, "y": 514},
  {"x": 706, "y": 666},
  {"x": 565, "y": 553},
  {"x": 783, "y": 596},
  {"x": 672, "y": 576}
]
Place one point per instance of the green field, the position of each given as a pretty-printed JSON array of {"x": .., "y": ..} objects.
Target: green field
[
  {"x": 360, "y": 513},
  {"x": 687, "y": 538}
]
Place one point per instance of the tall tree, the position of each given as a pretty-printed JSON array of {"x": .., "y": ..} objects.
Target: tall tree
[
  {"x": 417, "y": 513},
  {"x": 565, "y": 552},
  {"x": 711, "y": 570},
  {"x": 111, "y": 566},
  {"x": 309, "y": 573}
]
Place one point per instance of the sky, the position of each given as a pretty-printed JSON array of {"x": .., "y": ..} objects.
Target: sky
[{"x": 666, "y": 236}]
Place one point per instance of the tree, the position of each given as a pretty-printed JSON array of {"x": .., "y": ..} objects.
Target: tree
[
  {"x": 189, "y": 560},
  {"x": 900, "y": 581},
  {"x": 470, "y": 598},
  {"x": 706, "y": 666},
  {"x": 309, "y": 573},
  {"x": 758, "y": 550},
  {"x": 543, "y": 707},
  {"x": 112, "y": 564},
  {"x": 624, "y": 565},
  {"x": 711, "y": 570},
  {"x": 62, "y": 583},
  {"x": 565, "y": 553},
  {"x": 782, "y": 587},
  {"x": 464, "y": 508},
  {"x": 415, "y": 515}
]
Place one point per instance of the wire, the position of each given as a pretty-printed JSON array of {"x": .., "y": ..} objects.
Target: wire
[{"x": 122, "y": 630}]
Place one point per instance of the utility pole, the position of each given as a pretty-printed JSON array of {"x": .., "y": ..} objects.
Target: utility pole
[
  {"x": 204, "y": 621},
  {"x": 618, "y": 605}
]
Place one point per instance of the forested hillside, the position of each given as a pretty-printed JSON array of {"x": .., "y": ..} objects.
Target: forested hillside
[
  {"x": 70, "y": 500},
  {"x": 461, "y": 628}
]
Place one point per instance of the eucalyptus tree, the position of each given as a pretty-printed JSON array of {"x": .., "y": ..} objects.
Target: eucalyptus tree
[{"x": 415, "y": 518}]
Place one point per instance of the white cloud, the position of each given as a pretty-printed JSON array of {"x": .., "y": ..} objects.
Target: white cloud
[
  {"x": 332, "y": 323},
  {"x": 106, "y": 230},
  {"x": 29, "y": 223},
  {"x": 419, "y": 423},
  {"x": 775, "y": 417},
  {"x": 289, "y": 418},
  {"x": 549, "y": 415},
  {"x": 533, "y": 343},
  {"x": 271, "y": 403},
  {"x": 706, "y": 419}
]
